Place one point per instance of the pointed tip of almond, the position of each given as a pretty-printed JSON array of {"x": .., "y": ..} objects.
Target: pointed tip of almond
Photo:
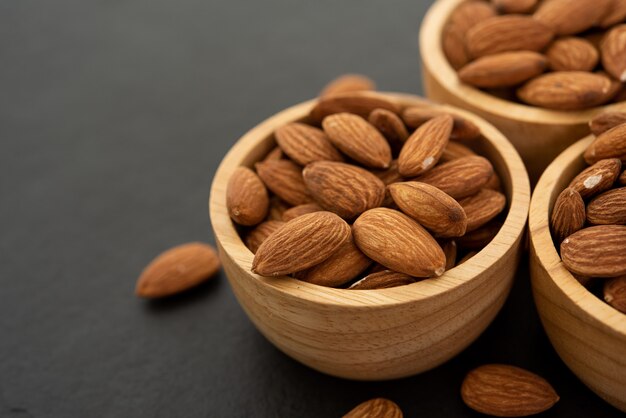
[
  {"x": 622, "y": 78},
  {"x": 440, "y": 271}
]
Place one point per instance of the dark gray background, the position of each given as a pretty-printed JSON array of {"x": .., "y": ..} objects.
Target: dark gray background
[{"x": 114, "y": 116}]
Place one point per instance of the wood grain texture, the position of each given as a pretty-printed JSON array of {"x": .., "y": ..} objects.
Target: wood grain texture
[
  {"x": 375, "y": 334},
  {"x": 539, "y": 135},
  {"x": 588, "y": 334}
]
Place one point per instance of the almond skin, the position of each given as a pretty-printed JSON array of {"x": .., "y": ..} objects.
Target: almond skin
[
  {"x": 178, "y": 269},
  {"x": 255, "y": 238},
  {"x": 605, "y": 121},
  {"x": 300, "y": 244},
  {"x": 391, "y": 126},
  {"x": 284, "y": 179},
  {"x": 300, "y": 210},
  {"x": 424, "y": 147},
  {"x": 375, "y": 408},
  {"x": 305, "y": 144},
  {"x": 359, "y": 103},
  {"x": 597, "y": 251},
  {"x": 572, "y": 54},
  {"x": 358, "y": 139},
  {"x": 430, "y": 207},
  {"x": 566, "y": 90},
  {"x": 507, "y": 391},
  {"x": 348, "y": 83},
  {"x": 453, "y": 44},
  {"x": 482, "y": 207},
  {"x": 505, "y": 69},
  {"x": 455, "y": 150},
  {"x": 609, "y": 208},
  {"x": 399, "y": 243},
  {"x": 459, "y": 178},
  {"x": 622, "y": 178},
  {"x": 611, "y": 144},
  {"x": 507, "y": 33},
  {"x": 246, "y": 197},
  {"x": 615, "y": 293},
  {"x": 616, "y": 14},
  {"x": 568, "y": 214},
  {"x": 469, "y": 13},
  {"x": 479, "y": 238},
  {"x": 450, "y": 250},
  {"x": 613, "y": 49},
  {"x": 344, "y": 189},
  {"x": 514, "y": 6},
  {"x": 382, "y": 280},
  {"x": 597, "y": 178},
  {"x": 462, "y": 130},
  {"x": 567, "y": 17},
  {"x": 274, "y": 154}
]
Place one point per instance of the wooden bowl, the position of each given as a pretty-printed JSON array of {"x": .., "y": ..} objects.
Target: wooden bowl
[
  {"x": 588, "y": 334},
  {"x": 539, "y": 135},
  {"x": 374, "y": 334}
]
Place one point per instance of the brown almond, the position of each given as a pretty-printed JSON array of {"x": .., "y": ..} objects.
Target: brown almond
[
  {"x": 494, "y": 183},
  {"x": 566, "y": 90},
  {"x": 622, "y": 178},
  {"x": 507, "y": 391},
  {"x": 300, "y": 244},
  {"x": 479, "y": 238},
  {"x": 455, "y": 150},
  {"x": 424, "y": 147},
  {"x": 609, "y": 208},
  {"x": 459, "y": 178},
  {"x": 178, "y": 269},
  {"x": 467, "y": 14},
  {"x": 359, "y": 103},
  {"x": 482, "y": 207},
  {"x": 505, "y": 69},
  {"x": 567, "y": 17},
  {"x": 275, "y": 154},
  {"x": 358, "y": 139},
  {"x": 284, "y": 179},
  {"x": 391, "y": 126},
  {"x": 615, "y": 15},
  {"x": 515, "y": 6},
  {"x": 597, "y": 251},
  {"x": 462, "y": 130},
  {"x": 305, "y": 144},
  {"x": 611, "y": 144},
  {"x": 597, "y": 178},
  {"x": 450, "y": 250},
  {"x": 375, "y": 408},
  {"x": 430, "y": 207},
  {"x": 246, "y": 197},
  {"x": 344, "y": 265},
  {"x": 255, "y": 238},
  {"x": 399, "y": 243},
  {"x": 605, "y": 121},
  {"x": 613, "y": 50},
  {"x": 572, "y": 54},
  {"x": 615, "y": 293},
  {"x": 300, "y": 210},
  {"x": 453, "y": 44},
  {"x": 568, "y": 214},
  {"x": 382, "y": 280},
  {"x": 348, "y": 83},
  {"x": 344, "y": 189},
  {"x": 507, "y": 33}
]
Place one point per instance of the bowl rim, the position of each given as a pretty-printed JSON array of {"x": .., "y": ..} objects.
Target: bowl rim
[
  {"x": 548, "y": 257},
  {"x": 511, "y": 231},
  {"x": 435, "y": 61}
]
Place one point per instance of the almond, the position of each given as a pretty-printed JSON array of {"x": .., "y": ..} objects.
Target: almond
[
  {"x": 572, "y": 54},
  {"x": 300, "y": 244},
  {"x": 275, "y": 154},
  {"x": 382, "y": 280},
  {"x": 348, "y": 83},
  {"x": 453, "y": 44},
  {"x": 566, "y": 90},
  {"x": 605, "y": 121},
  {"x": 507, "y": 33},
  {"x": 482, "y": 207},
  {"x": 479, "y": 238},
  {"x": 300, "y": 210},
  {"x": 430, "y": 207},
  {"x": 178, "y": 269},
  {"x": 615, "y": 293},
  {"x": 358, "y": 139},
  {"x": 399, "y": 243},
  {"x": 461, "y": 177},
  {"x": 613, "y": 49},
  {"x": 616, "y": 14},
  {"x": 514, "y": 6},
  {"x": 609, "y": 208},
  {"x": 611, "y": 144},
  {"x": 391, "y": 126},
  {"x": 467, "y": 14},
  {"x": 462, "y": 130},
  {"x": 305, "y": 144},
  {"x": 277, "y": 209},
  {"x": 622, "y": 178},
  {"x": 455, "y": 150},
  {"x": 284, "y": 179},
  {"x": 344, "y": 189},
  {"x": 255, "y": 238},
  {"x": 568, "y": 214},
  {"x": 597, "y": 178},
  {"x": 494, "y": 183},
  {"x": 344, "y": 265},
  {"x": 597, "y": 251},
  {"x": 567, "y": 17},
  {"x": 246, "y": 197},
  {"x": 450, "y": 250},
  {"x": 359, "y": 103},
  {"x": 507, "y": 391},
  {"x": 424, "y": 147},
  {"x": 505, "y": 69},
  {"x": 375, "y": 408}
]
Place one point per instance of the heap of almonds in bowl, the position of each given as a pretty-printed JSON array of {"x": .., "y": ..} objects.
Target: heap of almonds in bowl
[
  {"x": 367, "y": 195},
  {"x": 555, "y": 54}
]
